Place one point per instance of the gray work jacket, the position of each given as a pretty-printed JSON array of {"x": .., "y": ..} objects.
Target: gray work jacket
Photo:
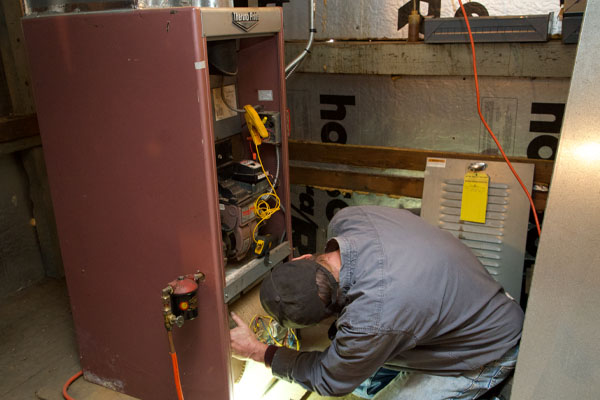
[{"x": 418, "y": 299}]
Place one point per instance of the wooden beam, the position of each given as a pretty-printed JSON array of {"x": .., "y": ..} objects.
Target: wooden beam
[
  {"x": 370, "y": 183},
  {"x": 14, "y": 128},
  {"x": 391, "y": 157},
  {"x": 20, "y": 144},
  {"x": 356, "y": 181},
  {"x": 533, "y": 60}
]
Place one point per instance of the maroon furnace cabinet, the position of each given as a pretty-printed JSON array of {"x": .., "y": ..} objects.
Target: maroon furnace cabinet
[{"x": 140, "y": 150}]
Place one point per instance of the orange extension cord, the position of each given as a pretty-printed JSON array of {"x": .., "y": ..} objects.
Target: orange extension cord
[
  {"x": 537, "y": 222},
  {"x": 68, "y": 383}
]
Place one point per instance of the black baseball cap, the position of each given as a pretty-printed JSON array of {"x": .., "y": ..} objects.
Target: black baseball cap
[{"x": 290, "y": 295}]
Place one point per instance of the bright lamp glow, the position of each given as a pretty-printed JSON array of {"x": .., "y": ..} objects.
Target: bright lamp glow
[
  {"x": 589, "y": 151},
  {"x": 255, "y": 380}
]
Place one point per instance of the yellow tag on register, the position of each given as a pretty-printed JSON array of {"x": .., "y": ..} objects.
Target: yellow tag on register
[{"x": 474, "y": 197}]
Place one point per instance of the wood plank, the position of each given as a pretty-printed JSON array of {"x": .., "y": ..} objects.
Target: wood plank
[
  {"x": 392, "y": 157},
  {"x": 539, "y": 200},
  {"x": 14, "y": 128},
  {"x": 370, "y": 183},
  {"x": 534, "y": 60}
]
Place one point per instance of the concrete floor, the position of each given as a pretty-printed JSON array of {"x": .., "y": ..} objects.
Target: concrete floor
[
  {"x": 39, "y": 352},
  {"x": 38, "y": 347}
]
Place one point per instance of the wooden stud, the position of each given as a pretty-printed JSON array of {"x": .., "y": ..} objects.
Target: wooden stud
[{"x": 14, "y": 58}]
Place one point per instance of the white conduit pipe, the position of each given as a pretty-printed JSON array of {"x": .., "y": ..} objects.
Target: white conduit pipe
[{"x": 291, "y": 67}]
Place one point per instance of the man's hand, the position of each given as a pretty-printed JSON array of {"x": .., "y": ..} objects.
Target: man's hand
[{"x": 244, "y": 344}]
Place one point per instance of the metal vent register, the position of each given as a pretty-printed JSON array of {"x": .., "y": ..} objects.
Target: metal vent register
[{"x": 499, "y": 243}]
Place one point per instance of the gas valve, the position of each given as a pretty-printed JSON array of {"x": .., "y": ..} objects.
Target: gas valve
[{"x": 180, "y": 300}]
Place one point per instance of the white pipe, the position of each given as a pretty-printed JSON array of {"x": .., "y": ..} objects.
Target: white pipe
[{"x": 290, "y": 68}]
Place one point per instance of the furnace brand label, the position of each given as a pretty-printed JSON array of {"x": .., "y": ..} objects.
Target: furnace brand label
[
  {"x": 247, "y": 213},
  {"x": 245, "y": 21}
]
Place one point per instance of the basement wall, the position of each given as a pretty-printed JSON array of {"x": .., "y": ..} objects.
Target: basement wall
[
  {"x": 20, "y": 258},
  {"x": 416, "y": 112}
]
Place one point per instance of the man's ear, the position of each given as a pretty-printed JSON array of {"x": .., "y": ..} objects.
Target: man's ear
[{"x": 303, "y": 257}]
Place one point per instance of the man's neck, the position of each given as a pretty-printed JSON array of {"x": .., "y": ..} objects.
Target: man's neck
[{"x": 333, "y": 263}]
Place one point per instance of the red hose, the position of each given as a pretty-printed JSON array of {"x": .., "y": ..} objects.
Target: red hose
[
  {"x": 176, "y": 374},
  {"x": 537, "y": 223},
  {"x": 68, "y": 383}
]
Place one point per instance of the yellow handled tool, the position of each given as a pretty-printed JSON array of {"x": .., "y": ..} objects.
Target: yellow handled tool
[{"x": 256, "y": 126}]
